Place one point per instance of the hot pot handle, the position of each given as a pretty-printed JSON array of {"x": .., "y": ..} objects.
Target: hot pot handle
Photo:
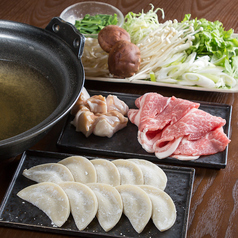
[{"x": 68, "y": 33}]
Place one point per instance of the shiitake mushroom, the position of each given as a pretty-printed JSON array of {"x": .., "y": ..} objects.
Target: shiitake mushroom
[
  {"x": 124, "y": 59},
  {"x": 110, "y": 35}
]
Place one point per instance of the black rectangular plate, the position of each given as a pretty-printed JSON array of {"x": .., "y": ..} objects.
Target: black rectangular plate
[
  {"x": 16, "y": 213},
  {"x": 124, "y": 143}
]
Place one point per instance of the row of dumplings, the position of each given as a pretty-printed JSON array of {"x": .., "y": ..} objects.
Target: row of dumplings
[
  {"x": 106, "y": 201},
  {"x": 116, "y": 172}
]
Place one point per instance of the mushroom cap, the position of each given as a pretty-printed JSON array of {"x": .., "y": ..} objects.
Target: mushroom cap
[
  {"x": 124, "y": 59},
  {"x": 110, "y": 35}
]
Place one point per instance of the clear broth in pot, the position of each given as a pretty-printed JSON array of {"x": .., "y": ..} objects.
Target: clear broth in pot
[{"x": 26, "y": 98}]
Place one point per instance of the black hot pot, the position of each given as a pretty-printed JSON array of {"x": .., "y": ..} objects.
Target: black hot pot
[{"x": 56, "y": 52}]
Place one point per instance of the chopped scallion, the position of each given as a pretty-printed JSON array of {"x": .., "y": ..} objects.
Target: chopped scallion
[{"x": 93, "y": 24}]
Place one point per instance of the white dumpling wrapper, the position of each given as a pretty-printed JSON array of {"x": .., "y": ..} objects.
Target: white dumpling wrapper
[
  {"x": 106, "y": 171},
  {"x": 136, "y": 205},
  {"x": 163, "y": 208},
  {"x": 50, "y": 198},
  {"x": 81, "y": 168},
  {"x": 83, "y": 203},
  {"x": 110, "y": 205},
  {"x": 130, "y": 173},
  {"x": 50, "y": 172},
  {"x": 153, "y": 174}
]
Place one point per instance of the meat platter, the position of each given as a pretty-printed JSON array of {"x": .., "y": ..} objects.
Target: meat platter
[
  {"x": 125, "y": 144},
  {"x": 18, "y": 214},
  {"x": 169, "y": 85}
]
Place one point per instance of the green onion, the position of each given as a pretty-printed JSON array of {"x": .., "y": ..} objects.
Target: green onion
[
  {"x": 152, "y": 77},
  {"x": 93, "y": 24}
]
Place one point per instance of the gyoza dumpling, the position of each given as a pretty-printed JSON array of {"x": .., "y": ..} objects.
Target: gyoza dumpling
[
  {"x": 109, "y": 205},
  {"x": 163, "y": 207},
  {"x": 83, "y": 203},
  {"x": 106, "y": 171},
  {"x": 130, "y": 173},
  {"x": 136, "y": 205},
  {"x": 82, "y": 169},
  {"x": 50, "y": 198},
  {"x": 153, "y": 174},
  {"x": 51, "y": 172}
]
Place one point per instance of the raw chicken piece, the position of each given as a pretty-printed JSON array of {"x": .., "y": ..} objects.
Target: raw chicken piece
[
  {"x": 84, "y": 121},
  {"x": 84, "y": 95},
  {"x": 109, "y": 123},
  {"x": 97, "y": 104},
  {"x": 99, "y": 115},
  {"x": 115, "y": 104}
]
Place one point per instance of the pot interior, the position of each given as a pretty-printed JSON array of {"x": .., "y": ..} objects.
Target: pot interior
[
  {"x": 49, "y": 56},
  {"x": 26, "y": 98}
]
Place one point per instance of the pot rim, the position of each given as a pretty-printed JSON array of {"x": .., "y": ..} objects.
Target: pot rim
[{"x": 57, "y": 114}]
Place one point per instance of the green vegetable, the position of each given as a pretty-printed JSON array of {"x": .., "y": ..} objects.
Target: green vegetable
[
  {"x": 214, "y": 41},
  {"x": 152, "y": 77},
  {"x": 93, "y": 24},
  {"x": 141, "y": 24}
]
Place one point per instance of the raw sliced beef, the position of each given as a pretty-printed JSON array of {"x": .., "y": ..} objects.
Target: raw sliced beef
[
  {"x": 155, "y": 120},
  {"x": 149, "y": 105},
  {"x": 167, "y": 149},
  {"x": 213, "y": 142},
  {"x": 176, "y": 108},
  {"x": 173, "y": 126},
  {"x": 147, "y": 138},
  {"x": 194, "y": 125}
]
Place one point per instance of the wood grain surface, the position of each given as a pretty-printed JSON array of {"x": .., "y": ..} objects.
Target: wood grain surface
[{"x": 214, "y": 205}]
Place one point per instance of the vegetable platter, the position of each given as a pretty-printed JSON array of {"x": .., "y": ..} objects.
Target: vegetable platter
[{"x": 193, "y": 54}]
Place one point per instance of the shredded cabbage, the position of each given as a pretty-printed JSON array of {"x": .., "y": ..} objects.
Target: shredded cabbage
[{"x": 141, "y": 24}]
